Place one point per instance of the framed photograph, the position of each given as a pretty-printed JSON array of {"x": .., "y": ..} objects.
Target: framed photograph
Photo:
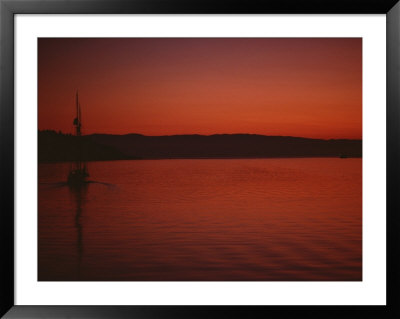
[{"x": 195, "y": 160}]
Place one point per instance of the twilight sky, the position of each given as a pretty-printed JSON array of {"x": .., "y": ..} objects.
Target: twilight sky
[{"x": 309, "y": 87}]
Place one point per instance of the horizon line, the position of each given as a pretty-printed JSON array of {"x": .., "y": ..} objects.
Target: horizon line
[{"x": 206, "y": 135}]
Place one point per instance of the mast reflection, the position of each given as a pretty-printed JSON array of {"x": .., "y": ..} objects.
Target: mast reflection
[{"x": 79, "y": 196}]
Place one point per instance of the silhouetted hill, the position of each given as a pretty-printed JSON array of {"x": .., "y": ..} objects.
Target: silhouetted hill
[
  {"x": 227, "y": 146},
  {"x": 60, "y": 147}
]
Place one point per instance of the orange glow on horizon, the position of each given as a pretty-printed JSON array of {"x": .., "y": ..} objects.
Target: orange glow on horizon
[{"x": 309, "y": 87}]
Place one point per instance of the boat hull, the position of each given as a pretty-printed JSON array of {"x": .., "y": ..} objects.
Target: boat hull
[{"x": 77, "y": 177}]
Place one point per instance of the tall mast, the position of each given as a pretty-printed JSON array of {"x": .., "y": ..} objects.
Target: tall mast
[
  {"x": 77, "y": 104},
  {"x": 77, "y": 121},
  {"x": 80, "y": 116},
  {"x": 78, "y": 171}
]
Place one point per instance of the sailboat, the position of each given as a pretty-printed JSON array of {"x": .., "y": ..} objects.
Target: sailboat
[{"x": 78, "y": 172}]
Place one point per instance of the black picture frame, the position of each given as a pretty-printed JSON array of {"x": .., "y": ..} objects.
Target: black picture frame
[{"x": 8, "y": 10}]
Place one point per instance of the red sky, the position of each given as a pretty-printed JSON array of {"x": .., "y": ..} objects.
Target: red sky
[{"x": 307, "y": 87}]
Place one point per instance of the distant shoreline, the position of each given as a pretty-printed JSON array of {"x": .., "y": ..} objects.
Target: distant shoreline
[
  {"x": 59, "y": 147},
  {"x": 198, "y": 158}
]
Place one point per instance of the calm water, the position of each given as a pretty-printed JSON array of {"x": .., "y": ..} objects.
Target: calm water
[{"x": 236, "y": 219}]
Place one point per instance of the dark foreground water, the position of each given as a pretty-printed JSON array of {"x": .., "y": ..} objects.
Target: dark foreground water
[{"x": 170, "y": 220}]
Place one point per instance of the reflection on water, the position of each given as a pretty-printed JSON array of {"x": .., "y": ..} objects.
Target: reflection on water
[
  {"x": 261, "y": 219},
  {"x": 78, "y": 195}
]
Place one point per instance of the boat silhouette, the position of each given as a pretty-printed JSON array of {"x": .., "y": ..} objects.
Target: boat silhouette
[{"x": 78, "y": 173}]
